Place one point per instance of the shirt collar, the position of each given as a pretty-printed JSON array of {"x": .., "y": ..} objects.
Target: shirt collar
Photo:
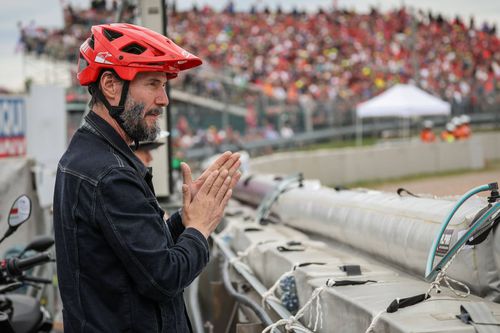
[{"x": 103, "y": 129}]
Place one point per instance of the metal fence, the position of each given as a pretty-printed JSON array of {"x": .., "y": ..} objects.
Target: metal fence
[{"x": 305, "y": 114}]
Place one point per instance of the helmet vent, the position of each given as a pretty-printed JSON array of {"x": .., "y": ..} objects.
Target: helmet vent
[
  {"x": 134, "y": 48},
  {"x": 111, "y": 35}
]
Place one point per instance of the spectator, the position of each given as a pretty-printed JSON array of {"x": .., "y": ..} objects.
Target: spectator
[
  {"x": 286, "y": 131},
  {"x": 466, "y": 131},
  {"x": 427, "y": 135},
  {"x": 144, "y": 151},
  {"x": 447, "y": 135}
]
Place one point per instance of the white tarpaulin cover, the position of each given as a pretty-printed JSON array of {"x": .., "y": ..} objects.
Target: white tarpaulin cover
[
  {"x": 403, "y": 100},
  {"x": 397, "y": 229}
]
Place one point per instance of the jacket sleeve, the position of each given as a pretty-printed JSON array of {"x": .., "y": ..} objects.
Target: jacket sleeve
[
  {"x": 137, "y": 234},
  {"x": 175, "y": 225}
]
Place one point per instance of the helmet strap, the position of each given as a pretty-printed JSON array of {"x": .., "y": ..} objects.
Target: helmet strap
[{"x": 114, "y": 111}]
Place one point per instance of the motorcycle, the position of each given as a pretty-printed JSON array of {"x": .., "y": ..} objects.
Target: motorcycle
[{"x": 22, "y": 313}]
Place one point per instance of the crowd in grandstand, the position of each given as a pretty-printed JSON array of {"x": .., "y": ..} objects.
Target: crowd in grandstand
[
  {"x": 326, "y": 55},
  {"x": 322, "y": 61},
  {"x": 63, "y": 43}
]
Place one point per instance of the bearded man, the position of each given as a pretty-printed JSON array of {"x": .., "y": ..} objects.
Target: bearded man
[{"x": 121, "y": 266}]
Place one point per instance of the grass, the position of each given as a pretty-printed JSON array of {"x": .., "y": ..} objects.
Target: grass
[
  {"x": 335, "y": 144},
  {"x": 369, "y": 141}
]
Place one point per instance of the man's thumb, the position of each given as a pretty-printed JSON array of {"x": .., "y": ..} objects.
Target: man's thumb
[
  {"x": 186, "y": 196},
  {"x": 186, "y": 174}
]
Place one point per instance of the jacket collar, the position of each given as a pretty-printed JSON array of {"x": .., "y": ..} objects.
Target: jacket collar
[{"x": 103, "y": 129}]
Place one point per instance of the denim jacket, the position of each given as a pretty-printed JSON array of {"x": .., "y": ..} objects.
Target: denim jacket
[{"x": 121, "y": 267}]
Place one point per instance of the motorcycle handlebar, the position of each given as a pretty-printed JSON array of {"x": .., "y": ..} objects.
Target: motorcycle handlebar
[{"x": 15, "y": 266}]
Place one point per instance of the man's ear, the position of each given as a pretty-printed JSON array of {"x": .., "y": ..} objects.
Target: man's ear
[{"x": 111, "y": 87}]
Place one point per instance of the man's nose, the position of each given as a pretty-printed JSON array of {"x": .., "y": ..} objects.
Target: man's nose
[{"x": 162, "y": 98}]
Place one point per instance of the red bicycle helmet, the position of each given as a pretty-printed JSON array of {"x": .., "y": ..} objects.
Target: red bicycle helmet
[{"x": 129, "y": 49}]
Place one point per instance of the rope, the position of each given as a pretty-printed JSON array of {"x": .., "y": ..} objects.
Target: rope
[
  {"x": 289, "y": 324},
  {"x": 237, "y": 261},
  {"x": 292, "y": 321},
  {"x": 436, "y": 284},
  {"x": 269, "y": 294},
  {"x": 374, "y": 321}
]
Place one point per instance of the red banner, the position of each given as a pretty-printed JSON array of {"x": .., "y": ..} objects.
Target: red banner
[
  {"x": 12, "y": 146},
  {"x": 12, "y": 126}
]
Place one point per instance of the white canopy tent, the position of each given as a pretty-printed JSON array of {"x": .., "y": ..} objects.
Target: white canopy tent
[{"x": 402, "y": 101}]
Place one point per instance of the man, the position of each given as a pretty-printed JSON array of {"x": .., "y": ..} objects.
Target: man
[
  {"x": 144, "y": 151},
  {"x": 426, "y": 134},
  {"x": 121, "y": 266},
  {"x": 465, "y": 131},
  {"x": 447, "y": 135}
]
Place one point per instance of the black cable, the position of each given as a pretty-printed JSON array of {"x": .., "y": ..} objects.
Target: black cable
[
  {"x": 256, "y": 308},
  {"x": 401, "y": 190}
]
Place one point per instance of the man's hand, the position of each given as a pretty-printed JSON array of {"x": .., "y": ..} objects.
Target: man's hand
[
  {"x": 227, "y": 161},
  {"x": 204, "y": 211}
]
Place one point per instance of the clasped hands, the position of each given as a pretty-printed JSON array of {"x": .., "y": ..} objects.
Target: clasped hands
[{"x": 205, "y": 198}]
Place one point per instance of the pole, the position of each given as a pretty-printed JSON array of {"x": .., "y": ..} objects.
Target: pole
[
  {"x": 359, "y": 131},
  {"x": 168, "y": 118}
]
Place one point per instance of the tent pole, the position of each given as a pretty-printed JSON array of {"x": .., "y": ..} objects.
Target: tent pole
[{"x": 408, "y": 134}]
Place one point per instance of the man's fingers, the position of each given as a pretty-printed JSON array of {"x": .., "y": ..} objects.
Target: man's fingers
[
  {"x": 207, "y": 185},
  {"x": 234, "y": 168},
  {"x": 214, "y": 166},
  {"x": 186, "y": 174},
  {"x": 235, "y": 179},
  {"x": 230, "y": 163},
  {"x": 226, "y": 199},
  {"x": 223, "y": 189},
  {"x": 219, "y": 162},
  {"x": 218, "y": 183}
]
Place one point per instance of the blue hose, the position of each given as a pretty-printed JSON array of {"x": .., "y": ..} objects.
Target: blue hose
[
  {"x": 432, "y": 252},
  {"x": 462, "y": 241}
]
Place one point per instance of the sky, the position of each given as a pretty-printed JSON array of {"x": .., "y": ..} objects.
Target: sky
[{"x": 49, "y": 13}]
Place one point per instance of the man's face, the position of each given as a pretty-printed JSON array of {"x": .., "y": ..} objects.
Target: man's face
[{"x": 145, "y": 102}]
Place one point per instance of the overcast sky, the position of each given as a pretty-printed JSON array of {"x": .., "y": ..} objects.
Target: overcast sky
[{"x": 49, "y": 13}]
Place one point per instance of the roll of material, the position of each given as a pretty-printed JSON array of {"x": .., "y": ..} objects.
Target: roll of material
[{"x": 396, "y": 229}]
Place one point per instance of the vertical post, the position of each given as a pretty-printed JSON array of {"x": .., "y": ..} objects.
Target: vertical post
[
  {"x": 359, "y": 131},
  {"x": 168, "y": 110},
  {"x": 153, "y": 15}
]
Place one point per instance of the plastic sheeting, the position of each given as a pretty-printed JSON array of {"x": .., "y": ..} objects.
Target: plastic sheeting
[
  {"x": 346, "y": 309},
  {"x": 395, "y": 229}
]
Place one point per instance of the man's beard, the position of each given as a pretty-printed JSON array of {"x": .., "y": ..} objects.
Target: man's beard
[{"x": 134, "y": 121}]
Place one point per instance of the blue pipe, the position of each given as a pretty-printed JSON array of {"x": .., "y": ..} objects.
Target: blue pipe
[
  {"x": 462, "y": 240},
  {"x": 432, "y": 251}
]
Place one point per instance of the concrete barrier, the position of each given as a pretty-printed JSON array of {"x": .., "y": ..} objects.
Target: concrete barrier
[
  {"x": 391, "y": 160},
  {"x": 489, "y": 143}
]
